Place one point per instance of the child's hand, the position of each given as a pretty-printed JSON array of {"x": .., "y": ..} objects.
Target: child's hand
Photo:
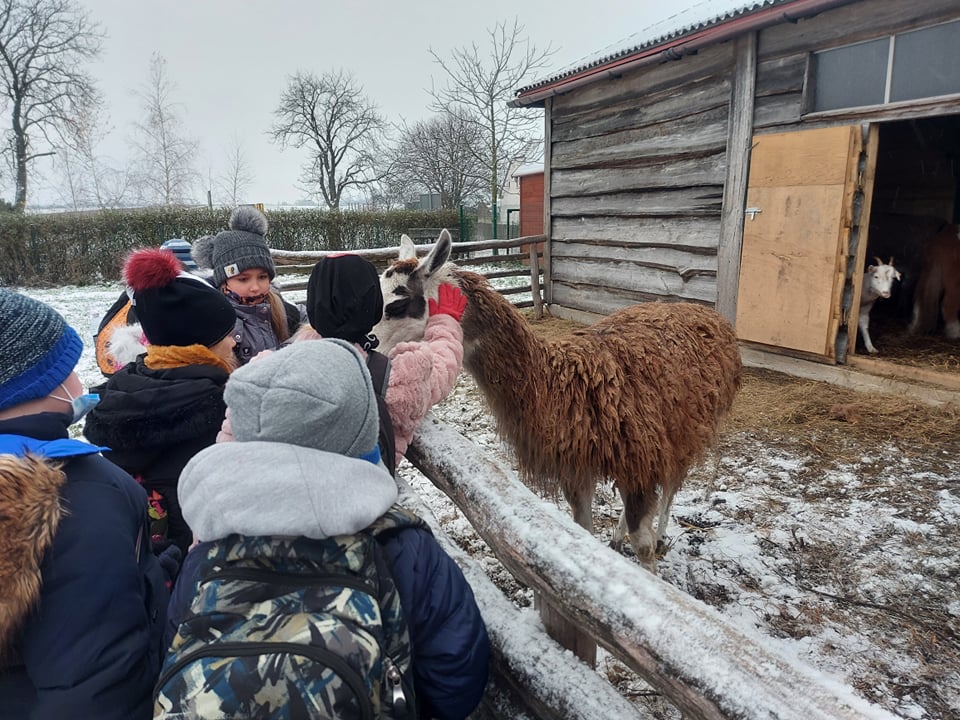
[{"x": 452, "y": 302}]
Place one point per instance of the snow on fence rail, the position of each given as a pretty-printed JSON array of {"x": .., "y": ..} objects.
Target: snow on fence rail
[{"x": 680, "y": 646}]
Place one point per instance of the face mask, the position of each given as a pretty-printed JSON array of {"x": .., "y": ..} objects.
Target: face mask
[{"x": 79, "y": 405}]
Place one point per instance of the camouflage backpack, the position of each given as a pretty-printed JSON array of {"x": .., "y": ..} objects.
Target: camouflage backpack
[{"x": 290, "y": 628}]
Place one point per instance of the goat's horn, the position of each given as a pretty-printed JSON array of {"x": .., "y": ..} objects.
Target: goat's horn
[
  {"x": 879, "y": 261},
  {"x": 891, "y": 260}
]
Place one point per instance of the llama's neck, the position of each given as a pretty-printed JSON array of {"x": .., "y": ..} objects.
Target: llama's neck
[{"x": 502, "y": 352}]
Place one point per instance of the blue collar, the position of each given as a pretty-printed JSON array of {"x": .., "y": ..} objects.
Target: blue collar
[{"x": 20, "y": 445}]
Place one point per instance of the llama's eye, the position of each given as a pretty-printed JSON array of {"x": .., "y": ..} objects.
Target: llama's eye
[
  {"x": 388, "y": 274},
  {"x": 402, "y": 291}
]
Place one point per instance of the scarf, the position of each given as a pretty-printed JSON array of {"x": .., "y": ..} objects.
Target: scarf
[{"x": 166, "y": 357}]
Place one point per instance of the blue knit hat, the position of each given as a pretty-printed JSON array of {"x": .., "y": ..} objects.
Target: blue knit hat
[
  {"x": 181, "y": 248},
  {"x": 38, "y": 350}
]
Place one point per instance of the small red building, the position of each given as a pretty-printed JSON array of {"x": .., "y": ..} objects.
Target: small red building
[{"x": 531, "y": 199}]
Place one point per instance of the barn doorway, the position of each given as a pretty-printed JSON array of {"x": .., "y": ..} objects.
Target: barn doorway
[{"x": 916, "y": 191}]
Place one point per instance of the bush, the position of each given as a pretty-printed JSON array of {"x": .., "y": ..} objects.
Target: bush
[{"x": 88, "y": 247}]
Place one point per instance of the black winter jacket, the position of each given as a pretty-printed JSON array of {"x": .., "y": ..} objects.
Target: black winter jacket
[{"x": 154, "y": 421}]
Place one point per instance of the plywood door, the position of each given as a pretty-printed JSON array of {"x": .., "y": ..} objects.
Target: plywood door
[{"x": 793, "y": 257}]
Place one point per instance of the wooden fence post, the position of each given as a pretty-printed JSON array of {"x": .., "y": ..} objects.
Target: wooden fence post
[{"x": 535, "y": 284}]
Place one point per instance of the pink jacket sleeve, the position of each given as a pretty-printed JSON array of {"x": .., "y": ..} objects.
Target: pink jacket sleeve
[{"x": 421, "y": 375}]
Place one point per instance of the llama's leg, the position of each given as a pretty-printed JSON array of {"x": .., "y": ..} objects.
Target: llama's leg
[
  {"x": 639, "y": 509},
  {"x": 620, "y": 532},
  {"x": 581, "y": 504},
  {"x": 663, "y": 519}
]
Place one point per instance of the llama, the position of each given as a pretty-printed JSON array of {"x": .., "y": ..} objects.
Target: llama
[
  {"x": 937, "y": 294},
  {"x": 634, "y": 399}
]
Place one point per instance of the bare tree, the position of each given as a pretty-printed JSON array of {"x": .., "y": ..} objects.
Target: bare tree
[
  {"x": 442, "y": 155},
  {"x": 479, "y": 85},
  {"x": 167, "y": 156},
  {"x": 341, "y": 129},
  {"x": 44, "y": 45},
  {"x": 89, "y": 178},
  {"x": 237, "y": 174}
]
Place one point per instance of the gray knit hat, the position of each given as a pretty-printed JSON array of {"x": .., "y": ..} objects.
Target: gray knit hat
[
  {"x": 240, "y": 248},
  {"x": 38, "y": 350},
  {"x": 315, "y": 394}
]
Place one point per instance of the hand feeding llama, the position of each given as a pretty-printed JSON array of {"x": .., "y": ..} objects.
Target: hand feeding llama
[{"x": 634, "y": 399}]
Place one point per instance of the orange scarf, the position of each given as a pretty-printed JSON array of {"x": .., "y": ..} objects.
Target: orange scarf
[{"x": 166, "y": 357}]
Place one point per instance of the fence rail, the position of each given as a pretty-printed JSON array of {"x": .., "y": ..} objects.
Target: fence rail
[{"x": 477, "y": 254}]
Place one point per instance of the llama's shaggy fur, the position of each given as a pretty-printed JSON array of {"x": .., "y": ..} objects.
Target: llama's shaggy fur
[{"x": 635, "y": 398}]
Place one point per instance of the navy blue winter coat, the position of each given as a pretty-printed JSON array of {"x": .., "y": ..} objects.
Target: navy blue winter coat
[
  {"x": 92, "y": 646},
  {"x": 451, "y": 650}
]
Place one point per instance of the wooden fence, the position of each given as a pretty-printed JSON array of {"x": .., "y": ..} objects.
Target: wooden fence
[{"x": 485, "y": 253}]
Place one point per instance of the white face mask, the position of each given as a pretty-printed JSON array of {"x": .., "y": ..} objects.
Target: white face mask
[{"x": 80, "y": 405}]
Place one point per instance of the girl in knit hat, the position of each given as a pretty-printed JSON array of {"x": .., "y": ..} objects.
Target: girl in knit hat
[
  {"x": 242, "y": 269},
  {"x": 159, "y": 411},
  {"x": 82, "y": 600}
]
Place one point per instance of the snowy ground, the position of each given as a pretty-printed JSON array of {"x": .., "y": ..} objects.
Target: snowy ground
[{"x": 840, "y": 549}]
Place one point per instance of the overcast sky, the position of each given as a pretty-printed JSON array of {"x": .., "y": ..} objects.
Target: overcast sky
[{"x": 230, "y": 60}]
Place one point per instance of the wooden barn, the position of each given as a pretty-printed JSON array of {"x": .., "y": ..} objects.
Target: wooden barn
[{"x": 747, "y": 155}]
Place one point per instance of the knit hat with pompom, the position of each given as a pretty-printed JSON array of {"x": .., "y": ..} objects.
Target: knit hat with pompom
[
  {"x": 172, "y": 306},
  {"x": 240, "y": 248}
]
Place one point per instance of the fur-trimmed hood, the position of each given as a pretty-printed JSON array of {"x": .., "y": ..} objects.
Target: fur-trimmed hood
[{"x": 29, "y": 516}]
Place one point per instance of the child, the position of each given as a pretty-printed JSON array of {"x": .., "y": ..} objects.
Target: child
[
  {"x": 291, "y": 496},
  {"x": 82, "y": 599},
  {"x": 119, "y": 339},
  {"x": 243, "y": 270},
  {"x": 159, "y": 411},
  {"x": 344, "y": 300}
]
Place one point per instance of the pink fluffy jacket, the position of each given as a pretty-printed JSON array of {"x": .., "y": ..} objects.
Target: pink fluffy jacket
[{"x": 422, "y": 373}]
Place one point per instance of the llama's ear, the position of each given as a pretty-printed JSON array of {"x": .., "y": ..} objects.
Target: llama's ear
[
  {"x": 440, "y": 252},
  {"x": 408, "y": 250}
]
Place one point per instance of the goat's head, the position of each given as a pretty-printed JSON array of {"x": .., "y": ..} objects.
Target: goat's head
[
  {"x": 881, "y": 276},
  {"x": 408, "y": 284}
]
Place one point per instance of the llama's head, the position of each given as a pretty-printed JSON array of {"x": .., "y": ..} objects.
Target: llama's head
[{"x": 408, "y": 284}]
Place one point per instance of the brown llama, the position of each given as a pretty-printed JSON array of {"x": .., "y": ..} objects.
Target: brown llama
[{"x": 634, "y": 399}]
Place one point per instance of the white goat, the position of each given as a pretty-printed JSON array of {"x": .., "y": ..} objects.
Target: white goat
[{"x": 877, "y": 283}]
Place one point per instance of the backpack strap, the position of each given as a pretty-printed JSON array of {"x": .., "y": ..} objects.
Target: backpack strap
[{"x": 379, "y": 366}]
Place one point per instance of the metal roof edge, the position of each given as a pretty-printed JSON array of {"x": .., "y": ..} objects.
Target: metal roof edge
[{"x": 677, "y": 44}]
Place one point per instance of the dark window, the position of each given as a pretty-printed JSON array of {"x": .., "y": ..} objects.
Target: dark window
[
  {"x": 909, "y": 66},
  {"x": 852, "y": 76},
  {"x": 926, "y": 63}
]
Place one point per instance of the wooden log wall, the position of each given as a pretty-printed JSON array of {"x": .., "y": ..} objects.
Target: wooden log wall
[{"x": 637, "y": 172}]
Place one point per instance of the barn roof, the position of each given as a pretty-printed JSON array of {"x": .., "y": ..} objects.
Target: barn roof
[{"x": 674, "y": 36}]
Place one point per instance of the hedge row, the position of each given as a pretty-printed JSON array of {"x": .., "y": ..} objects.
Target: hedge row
[{"x": 89, "y": 247}]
